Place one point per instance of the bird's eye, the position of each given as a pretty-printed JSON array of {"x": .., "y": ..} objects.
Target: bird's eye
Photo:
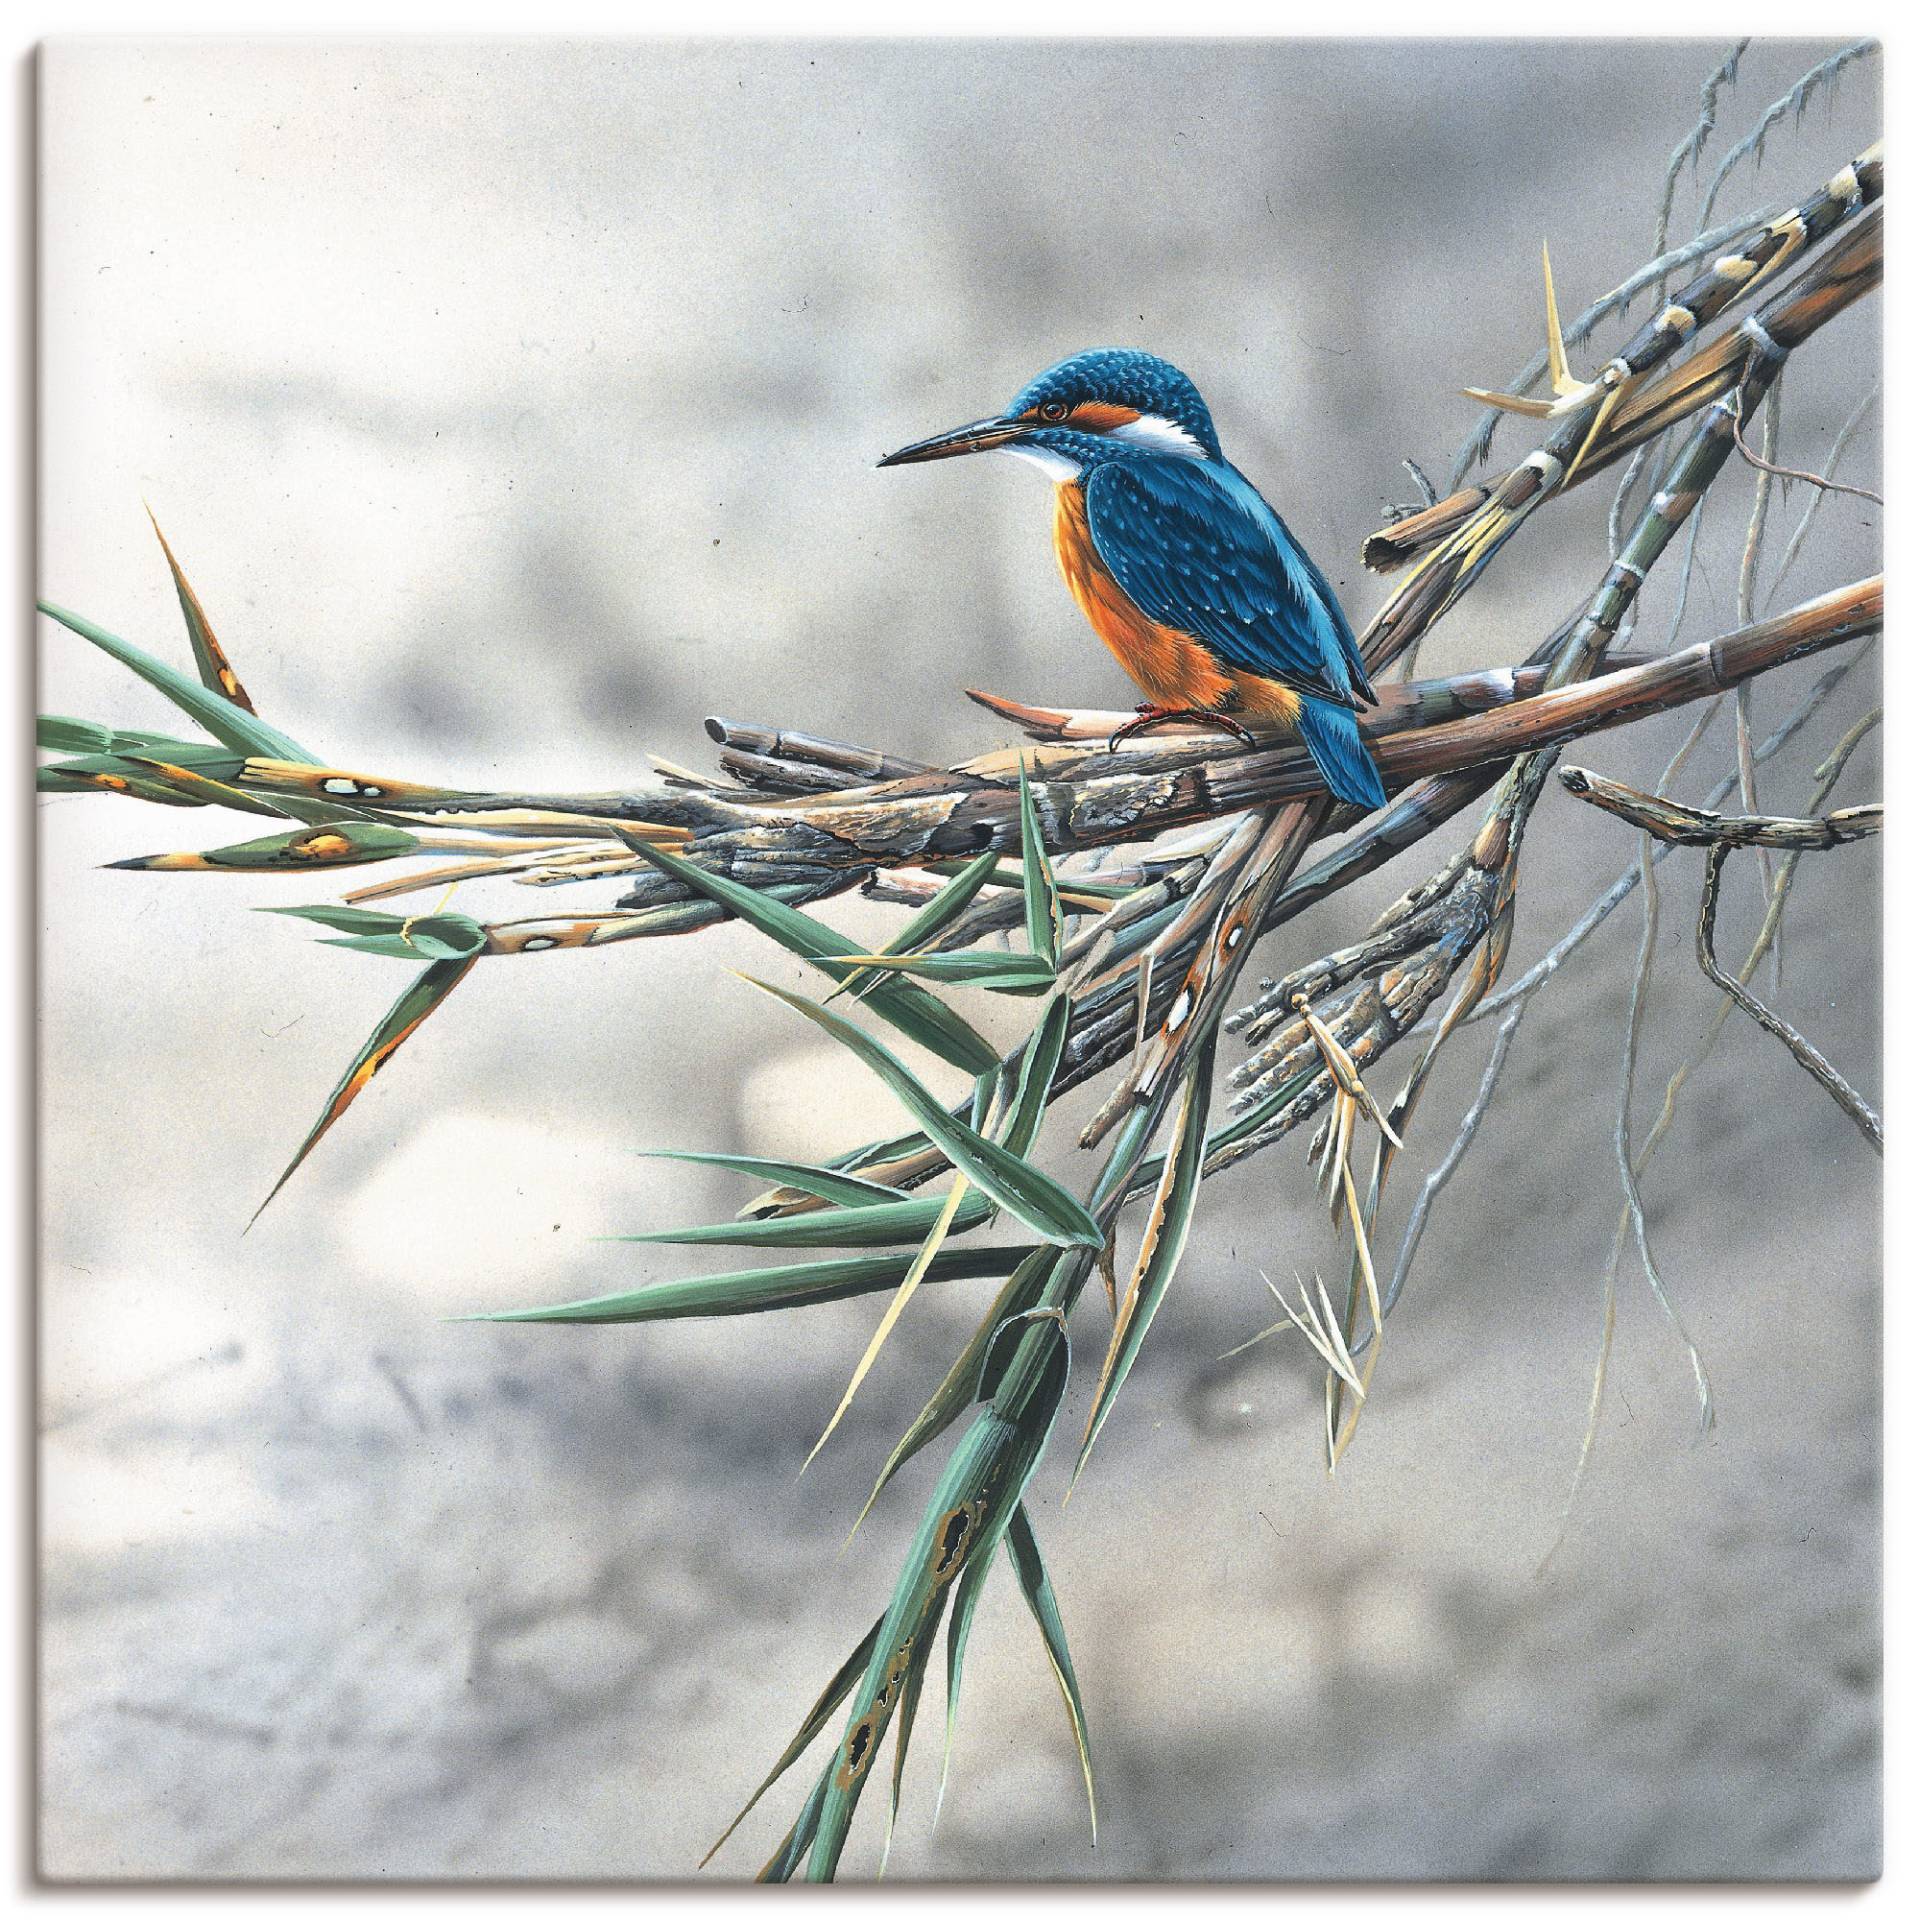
[{"x": 1054, "y": 410}]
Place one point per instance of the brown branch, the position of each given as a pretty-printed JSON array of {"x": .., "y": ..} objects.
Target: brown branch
[
  {"x": 1400, "y": 705},
  {"x": 1685, "y": 826},
  {"x": 813, "y": 846},
  {"x": 1392, "y": 547}
]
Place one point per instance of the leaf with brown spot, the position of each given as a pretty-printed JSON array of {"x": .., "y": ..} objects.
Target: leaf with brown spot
[
  {"x": 402, "y": 1019},
  {"x": 216, "y": 672},
  {"x": 818, "y": 1715},
  {"x": 344, "y": 843},
  {"x": 234, "y": 726}
]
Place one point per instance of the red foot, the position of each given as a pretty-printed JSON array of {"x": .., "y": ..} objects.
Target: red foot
[{"x": 1152, "y": 716}]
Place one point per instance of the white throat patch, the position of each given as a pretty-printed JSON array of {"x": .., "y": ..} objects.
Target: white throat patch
[
  {"x": 1058, "y": 467},
  {"x": 1162, "y": 435}
]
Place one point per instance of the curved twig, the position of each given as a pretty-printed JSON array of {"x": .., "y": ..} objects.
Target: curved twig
[{"x": 1803, "y": 1050}]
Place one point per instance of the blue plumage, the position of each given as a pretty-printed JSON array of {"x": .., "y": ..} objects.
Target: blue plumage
[
  {"x": 1332, "y": 735},
  {"x": 1195, "y": 547}
]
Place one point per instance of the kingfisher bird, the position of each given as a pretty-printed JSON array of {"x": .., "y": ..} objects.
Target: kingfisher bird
[{"x": 1179, "y": 565}]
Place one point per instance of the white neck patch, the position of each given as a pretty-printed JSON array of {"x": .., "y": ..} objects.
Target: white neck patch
[
  {"x": 1058, "y": 467},
  {"x": 1161, "y": 434}
]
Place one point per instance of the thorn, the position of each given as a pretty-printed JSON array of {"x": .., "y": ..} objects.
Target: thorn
[
  {"x": 1568, "y": 391},
  {"x": 1533, "y": 408},
  {"x": 1563, "y": 381}
]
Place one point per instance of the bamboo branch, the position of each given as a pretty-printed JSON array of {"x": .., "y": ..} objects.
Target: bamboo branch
[
  {"x": 1650, "y": 405},
  {"x": 1685, "y": 826}
]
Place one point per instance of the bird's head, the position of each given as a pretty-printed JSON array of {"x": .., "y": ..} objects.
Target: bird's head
[{"x": 1110, "y": 403}]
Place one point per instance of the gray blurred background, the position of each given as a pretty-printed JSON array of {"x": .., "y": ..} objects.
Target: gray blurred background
[{"x": 511, "y": 407}]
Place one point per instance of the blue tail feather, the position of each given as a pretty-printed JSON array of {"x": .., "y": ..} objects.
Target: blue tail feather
[{"x": 1332, "y": 736}]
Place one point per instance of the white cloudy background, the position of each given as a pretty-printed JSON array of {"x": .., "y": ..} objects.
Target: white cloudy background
[{"x": 513, "y": 406}]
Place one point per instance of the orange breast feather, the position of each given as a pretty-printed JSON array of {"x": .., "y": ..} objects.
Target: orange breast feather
[{"x": 1171, "y": 668}]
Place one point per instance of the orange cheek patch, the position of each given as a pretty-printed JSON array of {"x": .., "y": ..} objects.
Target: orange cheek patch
[{"x": 1096, "y": 416}]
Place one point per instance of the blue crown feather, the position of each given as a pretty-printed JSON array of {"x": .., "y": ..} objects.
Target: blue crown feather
[{"x": 1126, "y": 377}]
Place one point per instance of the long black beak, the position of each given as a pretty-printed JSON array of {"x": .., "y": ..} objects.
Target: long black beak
[{"x": 977, "y": 438}]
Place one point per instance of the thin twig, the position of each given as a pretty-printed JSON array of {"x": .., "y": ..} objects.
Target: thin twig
[
  {"x": 1794, "y": 101},
  {"x": 1842, "y": 440},
  {"x": 1802, "y": 1049},
  {"x": 1765, "y": 465}
]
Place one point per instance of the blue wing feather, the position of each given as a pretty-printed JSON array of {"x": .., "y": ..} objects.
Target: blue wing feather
[{"x": 1194, "y": 546}]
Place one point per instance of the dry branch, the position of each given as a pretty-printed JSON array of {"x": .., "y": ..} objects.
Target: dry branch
[{"x": 1685, "y": 826}]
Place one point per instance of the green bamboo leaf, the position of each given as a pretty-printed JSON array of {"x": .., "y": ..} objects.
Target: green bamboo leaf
[
  {"x": 344, "y": 843},
  {"x": 945, "y": 907},
  {"x": 1043, "y": 899},
  {"x": 429, "y": 936},
  {"x": 1033, "y": 1418},
  {"x": 1162, "y": 1244},
  {"x": 967, "y": 1515},
  {"x": 1028, "y": 1101},
  {"x": 239, "y": 729},
  {"x": 969, "y": 967},
  {"x": 767, "y": 1289},
  {"x": 1038, "y": 1064},
  {"x": 444, "y": 936},
  {"x": 57, "y": 733},
  {"x": 818, "y": 1715},
  {"x": 794, "y": 1848},
  {"x": 55, "y": 780},
  {"x": 911, "y": 1009},
  {"x": 194, "y": 776},
  {"x": 136, "y": 783},
  {"x": 824, "y": 1183},
  {"x": 875, "y": 1152},
  {"x": 342, "y": 919},
  {"x": 216, "y": 763},
  {"x": 1037, "y": 1589},
  {"x": 896, "y": 1223},
  {"x": 215, "y": 672},
  {"x": 385, "y": 946},
  {"x": 402, "y": 1019},
  {"x": 961, "y": 1387},
  {"x": 984, "y": 1090},
  {"x": 1027, "y": 1193},
  {"x": 966, "y": 1598},
  {"x": 1014, "y": 879}
]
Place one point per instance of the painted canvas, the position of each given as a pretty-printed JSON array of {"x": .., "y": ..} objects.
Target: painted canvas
[{"x": 959, "y": 957}]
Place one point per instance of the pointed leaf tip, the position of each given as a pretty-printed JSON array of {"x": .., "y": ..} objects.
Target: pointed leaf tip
[
  {"x": 1027, "y": 1193},
  {"x": 216, "y": 671},
  {"x": 402, "y": 1019}
]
